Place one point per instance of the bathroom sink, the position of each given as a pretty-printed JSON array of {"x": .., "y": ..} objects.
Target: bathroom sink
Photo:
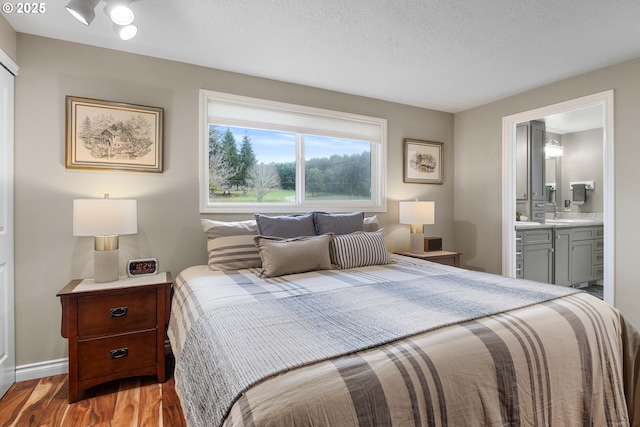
[{"x": 569, "y": 221}]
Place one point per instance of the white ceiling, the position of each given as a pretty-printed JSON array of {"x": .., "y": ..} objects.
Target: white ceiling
[{"x": 447, "y": 55}]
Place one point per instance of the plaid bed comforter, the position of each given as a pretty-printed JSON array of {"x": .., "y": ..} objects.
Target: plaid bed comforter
[{"x": 410, "y": 343}]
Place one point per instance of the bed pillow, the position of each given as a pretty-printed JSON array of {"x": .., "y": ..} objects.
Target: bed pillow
[
  {"x": 230, "y": 244},
  {"x": 285, "y": 226},
  {"x": 359, "y": 250},
  {"x": 294, "y": 255},
  {"x": 371, "y": 223},
  {"x": 338, "y": 223}
]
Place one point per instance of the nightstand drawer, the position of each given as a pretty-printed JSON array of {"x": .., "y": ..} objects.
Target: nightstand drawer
[
  {"x": 117, "y": 313},
  {"x": 121, "y": 353}
]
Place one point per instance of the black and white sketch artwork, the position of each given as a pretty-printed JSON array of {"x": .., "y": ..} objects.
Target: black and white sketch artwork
[{"x": 104, "y": 134}]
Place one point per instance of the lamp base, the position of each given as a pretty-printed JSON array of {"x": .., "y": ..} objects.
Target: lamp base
[
  {"x": 105, "y": 266},
  {"x": 417, "y": 243}
]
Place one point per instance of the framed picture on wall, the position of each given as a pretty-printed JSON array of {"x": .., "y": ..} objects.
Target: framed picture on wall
[
  {"x": 423, "y": 161},
  {"x": 113, "y": 135}
]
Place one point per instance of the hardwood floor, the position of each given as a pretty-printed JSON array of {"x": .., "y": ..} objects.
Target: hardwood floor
[{"x": 130, "y": 402}]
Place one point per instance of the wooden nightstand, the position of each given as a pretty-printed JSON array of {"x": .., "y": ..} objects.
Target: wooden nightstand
[
  {"x": 441, "y": 257},
  {"x": 115, "y": 329}
]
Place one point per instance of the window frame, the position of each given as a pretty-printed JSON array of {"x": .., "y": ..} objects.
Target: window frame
[{"x": 232, "y": 110}]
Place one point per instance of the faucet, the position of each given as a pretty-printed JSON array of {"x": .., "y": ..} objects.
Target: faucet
[{"x": 555, "y": 209}]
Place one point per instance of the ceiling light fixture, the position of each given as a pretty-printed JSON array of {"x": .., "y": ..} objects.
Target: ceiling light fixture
[
  {"x": 119, "y": 11},
  {"x": 126, "y": 32},
  {"x": 83, "y": 10}
]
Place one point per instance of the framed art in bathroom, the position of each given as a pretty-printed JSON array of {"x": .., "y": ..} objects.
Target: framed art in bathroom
[
  {"x": 113, "y": 135},
  {"x": 423, "y": 161}
]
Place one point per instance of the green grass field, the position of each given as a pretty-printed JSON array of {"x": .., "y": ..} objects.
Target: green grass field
[{"x": 277, "y": 196}]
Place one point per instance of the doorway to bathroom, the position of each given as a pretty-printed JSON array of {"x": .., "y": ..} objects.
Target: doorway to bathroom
[{"x": 563, "y": 117}]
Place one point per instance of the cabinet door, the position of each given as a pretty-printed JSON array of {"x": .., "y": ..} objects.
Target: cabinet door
[
  {"x": 522, "y": 161},
  {"x": 538, "y": 137},
  {"x": 581, "y": 261},
  {"x": 537, "y": 263},
  {"x": 562, "y": 257}
]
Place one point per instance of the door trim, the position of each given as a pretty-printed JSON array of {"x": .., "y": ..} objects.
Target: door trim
[{"x": 604, "y": 99}]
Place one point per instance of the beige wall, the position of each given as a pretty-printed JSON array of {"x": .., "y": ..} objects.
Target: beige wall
[
  {"x": 48, "y": 256},
  {"x": 7, "y": 38},
  {"x": 478, "y": 168}
]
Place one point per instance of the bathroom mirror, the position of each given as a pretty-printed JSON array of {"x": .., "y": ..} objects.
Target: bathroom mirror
[{"x": 551, "y": 178}]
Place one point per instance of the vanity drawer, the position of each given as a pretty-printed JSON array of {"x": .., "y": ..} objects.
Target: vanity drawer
[
  {"x": 537, "y": 216},
  {"x": 598, "y": 272},
  {"x": 598, "y": 244},
  {"x": 598, "y": 257},
  {"x": 582, "y": 233},
  {"x": 598, "y": 233},
  {"x": 538, "y": 236},
  {"x": 519, "y": 238},
  {"x": 116, "y": 313},
  {"x": 115, "y": 354}
]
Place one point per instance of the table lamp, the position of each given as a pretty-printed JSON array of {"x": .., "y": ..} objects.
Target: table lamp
[
  {"x": 417, "y": 214},
  {"x": 105, "y": 219}
]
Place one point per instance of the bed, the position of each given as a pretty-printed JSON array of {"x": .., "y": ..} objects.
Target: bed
[{"x": 399, "y": 342}]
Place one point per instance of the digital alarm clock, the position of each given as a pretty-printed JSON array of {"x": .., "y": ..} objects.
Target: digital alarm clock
[{"x": 142, "y": 267}]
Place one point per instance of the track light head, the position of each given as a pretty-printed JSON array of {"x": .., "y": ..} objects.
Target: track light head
[
  {"x": 83, "y": 10},
  {"x": 119, "y": 11},
  {"x": 126, "y": 32}
]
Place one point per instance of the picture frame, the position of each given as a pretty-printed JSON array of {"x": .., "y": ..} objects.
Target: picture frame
[
  {"x": 423, "y": 161},
  {"x": 113, "y": 135}
]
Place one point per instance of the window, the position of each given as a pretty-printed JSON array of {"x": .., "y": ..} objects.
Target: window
[{"x": 265, "y": 156}]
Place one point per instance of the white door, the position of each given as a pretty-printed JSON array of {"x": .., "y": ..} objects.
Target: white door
[{"x": 7, "y": 333}]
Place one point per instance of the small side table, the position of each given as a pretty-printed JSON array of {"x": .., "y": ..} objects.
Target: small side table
[
  {"x": 441, "y": 257},
  {"x": 116, "y": 329}
]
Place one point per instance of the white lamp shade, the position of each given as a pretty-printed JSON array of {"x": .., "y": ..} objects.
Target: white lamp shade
[
  {"x": 416, "y": 212},
  {"x": 104, "y": 217}
]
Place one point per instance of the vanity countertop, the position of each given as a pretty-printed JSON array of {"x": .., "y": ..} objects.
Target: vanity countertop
[{"x": 559, "y": 223}]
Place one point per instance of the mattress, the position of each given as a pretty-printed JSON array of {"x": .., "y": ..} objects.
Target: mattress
[{"x": 408, "y": 343}]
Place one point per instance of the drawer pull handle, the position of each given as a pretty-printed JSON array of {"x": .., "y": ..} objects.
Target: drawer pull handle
[
  {"x": 119, "y": 353},
  {"x": 118, "y": 311}
]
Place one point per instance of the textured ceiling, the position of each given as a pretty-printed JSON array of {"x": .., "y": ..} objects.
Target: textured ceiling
[{"x": 446, "y": 55}]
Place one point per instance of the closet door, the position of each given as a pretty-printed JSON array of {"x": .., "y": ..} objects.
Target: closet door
[{"x": 7, "y": 333}]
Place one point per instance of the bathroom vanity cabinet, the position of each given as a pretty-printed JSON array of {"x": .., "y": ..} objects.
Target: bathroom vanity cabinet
[
  {"x": 537, "y": 252},
  {"x": 530, "y": 169},
  {"x": 563, "y": 256}
]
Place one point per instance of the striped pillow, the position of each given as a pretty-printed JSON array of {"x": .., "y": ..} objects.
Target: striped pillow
[
  {"x": 359, "y": 249},
  {"x": 230, "y": 244}
]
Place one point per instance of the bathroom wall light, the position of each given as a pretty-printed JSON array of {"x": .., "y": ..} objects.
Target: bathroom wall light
[{"x": 553, "y": 148}]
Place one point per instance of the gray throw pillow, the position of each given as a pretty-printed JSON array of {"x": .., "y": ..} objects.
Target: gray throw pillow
[
  {"x": 285, "y": 226},
  {"x": 338, "y": 223}
]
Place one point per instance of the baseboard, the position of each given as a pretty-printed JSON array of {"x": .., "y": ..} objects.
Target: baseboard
[
  {"x": 48, "y": 368},
  {"x": 33, "y": 371}
]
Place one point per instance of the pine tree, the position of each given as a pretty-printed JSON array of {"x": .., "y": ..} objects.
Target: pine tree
[
  {"x": 230, "y": 155},
  {"x": 247, "y": 159}
]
